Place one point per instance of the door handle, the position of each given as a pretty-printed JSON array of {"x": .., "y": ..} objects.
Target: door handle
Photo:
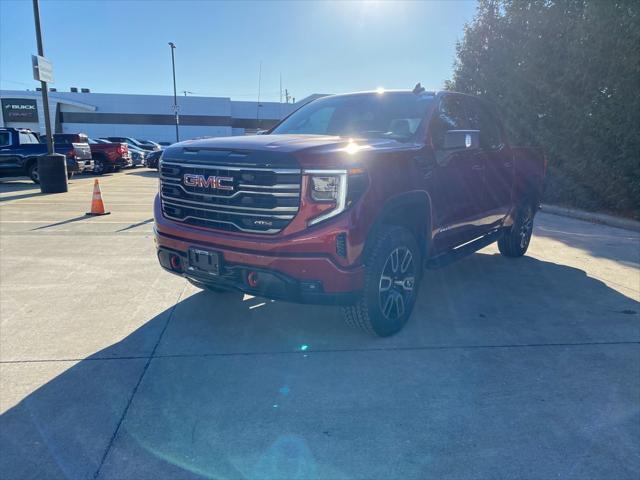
[{"x": 477, "y": 167}]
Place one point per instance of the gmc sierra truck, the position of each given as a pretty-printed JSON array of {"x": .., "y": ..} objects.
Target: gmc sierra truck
[
  {"x": 347, "y": 200},
  {"x": 20, "y": 149}
]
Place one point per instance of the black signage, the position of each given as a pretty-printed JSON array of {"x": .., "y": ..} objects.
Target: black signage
[{"x": 19, "y": 110}]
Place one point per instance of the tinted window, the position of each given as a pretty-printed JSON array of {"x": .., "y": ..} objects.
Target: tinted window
[
  {"x": 394, "y": 115},
  {"x": 58, "y": 140},
  {"x": 5, "y": 138},
  {"x": 480, "y": 118},
  {"x": 317, "y": 121},
  {"x": 450, "y": 115}
]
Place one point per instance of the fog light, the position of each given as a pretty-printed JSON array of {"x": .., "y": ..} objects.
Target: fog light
[{"x": 176, "y": 262}]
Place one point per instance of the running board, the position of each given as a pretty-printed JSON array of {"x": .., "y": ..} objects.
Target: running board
[{"x": 463, "y": 250}]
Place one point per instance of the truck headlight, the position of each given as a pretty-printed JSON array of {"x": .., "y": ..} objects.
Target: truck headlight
[{"x": 328, "y": 186}]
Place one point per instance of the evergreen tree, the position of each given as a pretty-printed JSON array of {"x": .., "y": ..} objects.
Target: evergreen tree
[{"x": 565, "y": 75}]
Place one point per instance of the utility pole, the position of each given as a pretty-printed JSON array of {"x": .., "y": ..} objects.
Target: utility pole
[
  {"x": 175, "y": 93},
  {"x": 51, "y": 168},
  {"x": 280, "y": 106},
  {"x": 259, "y": 83},
  {"x": 45, "y": 90},
  {"x": 286, "y": 95}
]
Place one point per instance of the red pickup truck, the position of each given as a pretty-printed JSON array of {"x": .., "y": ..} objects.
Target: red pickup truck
[
  {"x": 347, "y": 200},
  {"x": 107, "y": 157}
]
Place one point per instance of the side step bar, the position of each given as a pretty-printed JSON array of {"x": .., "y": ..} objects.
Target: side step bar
[{"x": 463, "y": 250}]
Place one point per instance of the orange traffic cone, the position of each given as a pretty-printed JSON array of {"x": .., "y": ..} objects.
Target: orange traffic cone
[{"x": 97, "y": 206}]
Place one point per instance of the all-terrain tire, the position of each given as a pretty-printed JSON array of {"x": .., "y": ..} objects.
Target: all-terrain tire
[
  {"x": 100, "y": 167},
  {"x": 515, "y": 241},
  {"x": 33, "y": 172},
  {"x": 390, "y": 286}
]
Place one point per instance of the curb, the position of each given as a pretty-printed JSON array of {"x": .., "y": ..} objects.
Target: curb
[{"x": 601, "y": 218}]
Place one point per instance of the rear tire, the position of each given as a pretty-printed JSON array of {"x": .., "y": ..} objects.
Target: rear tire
[
  {"x": 393, "y": 269},
  {"x": 32, "y": 171},
  {"x": 99, "y": 166},
  {"x": 515, "y": 241}
]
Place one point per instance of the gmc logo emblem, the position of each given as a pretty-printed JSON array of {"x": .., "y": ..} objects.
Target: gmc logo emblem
[{"x": 192, "y": 180}]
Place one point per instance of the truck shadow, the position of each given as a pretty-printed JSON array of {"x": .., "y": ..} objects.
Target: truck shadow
[
  {"x": 16, "y": 188},
  {"x": 189, "y": 412}
]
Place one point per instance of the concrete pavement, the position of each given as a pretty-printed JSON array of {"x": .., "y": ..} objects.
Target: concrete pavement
[{"x": 111, "y": 368}]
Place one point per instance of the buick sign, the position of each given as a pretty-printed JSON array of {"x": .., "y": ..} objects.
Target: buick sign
[
  {"x": 212, "y": 181},
  {"x": 19, "y": 110}
]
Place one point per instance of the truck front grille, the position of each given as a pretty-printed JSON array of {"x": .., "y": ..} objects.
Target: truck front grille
[{"x": 248, "y": 199}]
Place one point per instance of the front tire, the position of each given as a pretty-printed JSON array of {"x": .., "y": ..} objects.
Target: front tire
[
  {"x": 33, "y": 173},
  {"x": 515, "y": 241},
  {"x": 99, "y": 166},
  {"x": 392, "y": 276}
]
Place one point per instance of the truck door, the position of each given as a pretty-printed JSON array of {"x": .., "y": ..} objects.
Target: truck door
[
  {"x": 499, "y": 168},
  {"x": 456, "y": 180}
]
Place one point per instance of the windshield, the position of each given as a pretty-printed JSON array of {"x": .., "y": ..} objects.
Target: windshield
[{"x": 395, "y": 115}]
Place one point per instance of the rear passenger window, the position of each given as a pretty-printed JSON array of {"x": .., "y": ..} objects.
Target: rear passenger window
[
  {"x": 5, "y": 138},
  {"x": 449, "y": 116}
]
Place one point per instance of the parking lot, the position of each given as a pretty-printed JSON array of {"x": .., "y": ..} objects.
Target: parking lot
[{"x": 112, "y": 368}]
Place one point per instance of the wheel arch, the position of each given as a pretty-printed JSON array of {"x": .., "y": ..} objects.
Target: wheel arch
[
  {"x": 28, "y": 162},
  {"x": 411, "y": 210}
]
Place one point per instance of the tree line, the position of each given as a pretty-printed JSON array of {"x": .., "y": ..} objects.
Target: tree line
[{"x": 565, "y": 75}]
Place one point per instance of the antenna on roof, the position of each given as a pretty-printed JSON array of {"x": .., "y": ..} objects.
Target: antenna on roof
[{"x": 418, "y": 89}]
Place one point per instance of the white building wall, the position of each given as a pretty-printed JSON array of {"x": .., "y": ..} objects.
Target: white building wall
[{"x": 228, "y": 117}]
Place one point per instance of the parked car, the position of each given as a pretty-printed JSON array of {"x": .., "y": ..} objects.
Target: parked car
[
  {"x": 77, "y": 140},
  {"x": 132, "y": 142},
  {"x": 346, "y": 200},
  {"x": 109, "y": 156},
  {"x": 137, "y": 154},
  {"x": 153, "y": 159},
  {"x": 20, "y": 149},
  {"x": 156, "y": 146}
]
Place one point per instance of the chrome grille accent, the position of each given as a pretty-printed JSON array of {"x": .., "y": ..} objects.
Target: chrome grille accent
[{"x": 263, "y": 200}]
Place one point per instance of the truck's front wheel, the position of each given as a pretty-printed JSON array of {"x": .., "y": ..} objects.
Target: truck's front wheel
[
  {"x": 393, "y": 270},
  {"x": 33, "y": 172}
]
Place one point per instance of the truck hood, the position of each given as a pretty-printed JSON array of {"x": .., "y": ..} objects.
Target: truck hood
[{"x": 279, "y": 149}]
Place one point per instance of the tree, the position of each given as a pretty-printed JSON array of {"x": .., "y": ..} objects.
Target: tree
[{"x": 565, "y": 76}]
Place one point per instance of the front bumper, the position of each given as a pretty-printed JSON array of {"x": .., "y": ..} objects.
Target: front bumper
[
  {"x": 266, "y": 282},
  {"x": 306, "y": 267},
  {"x": 123, "y": 162}
]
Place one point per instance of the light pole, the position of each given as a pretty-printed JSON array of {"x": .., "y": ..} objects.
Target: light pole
[
  {"x": 52, "y": 168},
  {"x": 175, "y": 93}
]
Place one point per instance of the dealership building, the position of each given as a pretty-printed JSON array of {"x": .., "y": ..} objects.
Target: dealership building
[{"x": 140, "y": 116}]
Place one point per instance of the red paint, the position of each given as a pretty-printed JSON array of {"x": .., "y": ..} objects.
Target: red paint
[{"x": 456, "y": 196}]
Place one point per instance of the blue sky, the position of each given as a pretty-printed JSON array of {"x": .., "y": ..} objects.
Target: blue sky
[{"x": 318, "y": 47}]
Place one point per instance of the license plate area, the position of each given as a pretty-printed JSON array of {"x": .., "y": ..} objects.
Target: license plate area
[{"x": 204, "y": 261}]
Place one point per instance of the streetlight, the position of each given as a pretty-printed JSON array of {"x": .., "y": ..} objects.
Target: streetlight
[
  {"x": 175, "y": 95},
  {"x": 52, "y": 168}
]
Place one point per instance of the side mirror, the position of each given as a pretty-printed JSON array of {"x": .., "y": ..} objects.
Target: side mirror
[{"x": 461, "y": 139}]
